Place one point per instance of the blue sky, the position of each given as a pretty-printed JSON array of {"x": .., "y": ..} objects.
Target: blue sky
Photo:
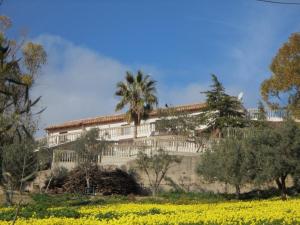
[{"x": 91, "y": 44}]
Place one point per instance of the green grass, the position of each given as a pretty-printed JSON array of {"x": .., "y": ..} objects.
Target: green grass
[{"x": 192, "y": 197}]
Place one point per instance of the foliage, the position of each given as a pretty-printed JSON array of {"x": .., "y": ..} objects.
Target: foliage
[
  {"x": 176, "y": 123},
  {"x": 16, "y": 82},
  {"x": 19, "y": 166},
  {"x": 261, "y": 112},
  {"x": 5, "y": 23},
  {"x": 17, "y": 122},
  {"x": 222, "y": 110},
  {"x": 182, "y": 125},
  {"x": 89, "y": 148},
  {"x": 265, "y": 212},
  {"x": 34, "y": 58},
  {"x": 20, "y": 161},
  {"x": 285, "y": 78},
  {"x": 89, "y": 151},
  {"x": 44, "y": 155},
  {"x": 138, "y": 93},
  {"x": 254, "y": 155},
  {"x": 274, "y": 154},
  {"x": 156, "y": 166},
  {"x": 225, "y": 161}
]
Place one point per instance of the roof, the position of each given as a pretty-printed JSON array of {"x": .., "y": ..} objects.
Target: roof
[{"x": 100, "y": 120}]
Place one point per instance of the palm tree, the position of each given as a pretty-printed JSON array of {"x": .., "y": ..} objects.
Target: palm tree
[{"x": 138, "y": 93}]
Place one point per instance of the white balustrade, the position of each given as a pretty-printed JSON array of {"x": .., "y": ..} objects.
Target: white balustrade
[
  {"x": 69, "y": 158},
  {"x": 271, "y": 115},
  {"x": 57, "y": 139},
  {"x": 110, "y": 134},
  {"x": 146, "y": 130}
]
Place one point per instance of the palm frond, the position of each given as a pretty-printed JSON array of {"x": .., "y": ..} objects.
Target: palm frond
[
  {"x": 138, "y": 93},
  {"x": 151, "y": 83},
  {"x": 39, "y": 112},
  {"x": 139, "y": 76},
  {"x": 121, "y": 105},
  {"x": 129, "y": 78},
  {"x": 121, "y": 85},
  {"x": 35, "y": 101}
]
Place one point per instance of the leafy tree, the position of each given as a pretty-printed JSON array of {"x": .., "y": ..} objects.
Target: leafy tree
[
  {"x": 138, "y": 93},
  {"x": 176, "y": 123},
  {"x": 182, "y": 124},
  {"x": 89, "y": 153},
  {"x": 256, "y": 154},
  {"x": 225, "y": 162},
  {"x": 17, "y": 121},
  {"x": 5, "y": 23},
  {"x": 261, "y": 118},
  {"x": 285, "y": 79},
  {"x": 156, "y": 166},
  {"x": 261, "y": 112},
  {"x": 274, "y": 153},
  {"x": 222, "y": 109},
  {"x": 19, "y": 166}
]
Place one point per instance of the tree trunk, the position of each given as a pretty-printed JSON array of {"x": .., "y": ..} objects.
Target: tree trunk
[
  {"x": 49, "y": 182},
  {"x": 7, "y": 188},
  {"x": 154, "y": 190},
  {"x": 135, "y": 131},
  {"x": 278, "y": 183},
  {"x": 237, "y": 191},
  {"x": 226, "y": 188},
  {"x": 8, "y": 195},
  {"x": 87, "y": 183},
  {"x": 282, "y": 186}
]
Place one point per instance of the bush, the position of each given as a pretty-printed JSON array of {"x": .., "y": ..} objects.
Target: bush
[
  {"x": 117, "y": 182},
  {"x": 107, "y": 182}
]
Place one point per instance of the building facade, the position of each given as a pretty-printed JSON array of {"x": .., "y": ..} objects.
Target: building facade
[{"x": 123, "y": 146}]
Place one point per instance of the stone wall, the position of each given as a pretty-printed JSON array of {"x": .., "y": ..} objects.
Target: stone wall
[
  {"x": 181, "y": 175},
  {"x": 184, "y": 176}
]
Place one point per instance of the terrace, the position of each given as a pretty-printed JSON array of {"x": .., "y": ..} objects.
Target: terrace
[{"x": 121, "y": 133}]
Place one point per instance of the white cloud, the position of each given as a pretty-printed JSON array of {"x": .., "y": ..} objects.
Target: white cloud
[{"x": 77, "y": 82}]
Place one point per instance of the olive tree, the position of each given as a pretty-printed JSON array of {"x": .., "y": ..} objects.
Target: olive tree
[
  {"x": 89, "y": 153},
  {"x": 274, "y": 153},
  {"x": 225, "y": 162},
  {"x": 156, "y": 166}
]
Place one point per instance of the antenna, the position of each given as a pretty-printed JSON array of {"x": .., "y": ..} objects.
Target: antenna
[{"x": 240, "y": 96}]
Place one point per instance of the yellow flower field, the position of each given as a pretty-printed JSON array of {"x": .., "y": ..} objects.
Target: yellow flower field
[{"x": 251, "y": 212}]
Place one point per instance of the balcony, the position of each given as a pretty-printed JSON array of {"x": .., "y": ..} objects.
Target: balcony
[
  {"x": 109, "y": 134},
  {"x": 120, "y": 154},
  {"x": 145, "y": 130}
]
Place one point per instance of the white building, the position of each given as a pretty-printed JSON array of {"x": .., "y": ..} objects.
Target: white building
[{"x": 124, "y": 147}]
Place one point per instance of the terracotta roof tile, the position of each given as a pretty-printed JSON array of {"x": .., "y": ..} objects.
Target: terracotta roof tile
[{"x": 117, "y": 118}]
